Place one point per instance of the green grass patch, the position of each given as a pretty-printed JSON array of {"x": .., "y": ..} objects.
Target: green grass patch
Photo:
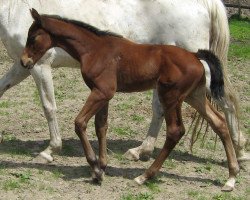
[
  {"x": 169, "y": 164},
  {"x": 36, "y": 97},
  {"x": 121, "y": 158},
  {"x": 227, "y": 196},
  {"x": 124, "y": 131},
  {"x": 4, "y": 113},
  {"x": 240, "y": 29},
  {"x": 123, "y": 106},
  {"x": 240, "y": 50},
  {"x": 204, "y": 168},
  {"x": 5, "y": 104},
  {"x": 11, "y": 184},
  {"x": 140, "y": 196},
  {"x": 8, "y": 136},
  {"x": 240, "y": 38},
  {"x": 57, "y": 174},
  {"x": 20, "y": 180},
  {"x": 153, "y": 185},
  {"x": 137, "y": 118}
]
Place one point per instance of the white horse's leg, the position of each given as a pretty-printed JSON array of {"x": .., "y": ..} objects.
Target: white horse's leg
[
  {"x": 237, "y": 136},
  {"x": 14, "y": 76},
  {"x": 43, "y": 78},
  {"x": 147, "y": 146}
]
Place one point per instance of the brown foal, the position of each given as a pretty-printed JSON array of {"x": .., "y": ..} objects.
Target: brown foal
[{"x": 110, "y": 63}]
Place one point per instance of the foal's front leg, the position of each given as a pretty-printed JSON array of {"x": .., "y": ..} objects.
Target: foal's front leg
[{"x": 96, "y": 101}]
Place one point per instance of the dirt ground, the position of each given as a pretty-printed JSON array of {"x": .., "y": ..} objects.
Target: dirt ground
[{"x": 199, "y": 175}]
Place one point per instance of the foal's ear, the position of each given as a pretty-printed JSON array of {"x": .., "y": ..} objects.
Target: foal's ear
[{"x": 35, "y": 15}]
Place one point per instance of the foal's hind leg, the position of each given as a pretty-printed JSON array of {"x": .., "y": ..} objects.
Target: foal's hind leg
[
  {"x": 172, "y": 102},
  {"x": 218, "y": 124},
  {"x": 147, "y": 146}
]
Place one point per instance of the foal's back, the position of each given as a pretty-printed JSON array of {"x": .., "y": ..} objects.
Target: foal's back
[{"x": 139, "y": 66}]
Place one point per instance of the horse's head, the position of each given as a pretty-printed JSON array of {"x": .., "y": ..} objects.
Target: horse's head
[{"x": 38, "y": 42}]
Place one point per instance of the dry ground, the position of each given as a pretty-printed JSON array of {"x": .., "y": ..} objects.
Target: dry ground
[{"x": 184, "y": 176}]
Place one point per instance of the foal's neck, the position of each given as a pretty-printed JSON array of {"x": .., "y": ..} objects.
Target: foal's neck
[{"x": 75, "y": 40}]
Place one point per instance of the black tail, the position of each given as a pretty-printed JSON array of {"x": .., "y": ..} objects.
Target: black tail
[{"x": 217, "y": 82}]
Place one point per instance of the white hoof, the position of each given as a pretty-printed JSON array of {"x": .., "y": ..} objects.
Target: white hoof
[
  {"x": 229, "y": 186},
  {"x": 43, "y": 158},
  {"x": 140, "y": 179},
  {"x": 132, "y": 154}
]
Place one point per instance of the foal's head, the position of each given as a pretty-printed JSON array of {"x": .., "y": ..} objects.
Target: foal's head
[{"x": 38, "y": 42}]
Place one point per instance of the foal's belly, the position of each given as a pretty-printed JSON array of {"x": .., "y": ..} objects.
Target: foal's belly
[{"x": 136, "y": 86}]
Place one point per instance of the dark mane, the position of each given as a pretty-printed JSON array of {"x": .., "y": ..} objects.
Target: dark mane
[{"x": 85, "y": 26}]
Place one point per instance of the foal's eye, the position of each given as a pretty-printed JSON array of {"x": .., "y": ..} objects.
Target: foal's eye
[{"x": 32, "y": 39}]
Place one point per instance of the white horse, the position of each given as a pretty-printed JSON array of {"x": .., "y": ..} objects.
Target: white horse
[{"x": 191, "y": 24}]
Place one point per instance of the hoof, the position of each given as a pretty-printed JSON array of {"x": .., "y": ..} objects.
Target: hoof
[
  {"x": 98, "y": 177},
  {"x": 43, "y": 158},
  {"x": 227, "y": 188},
  {"x": 1, "y": 138},
  {"x": 132, "y": 154},
  {"x": 140, "y": 179}
]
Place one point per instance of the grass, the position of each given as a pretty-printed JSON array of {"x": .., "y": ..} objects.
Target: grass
[
  {"x": 5, "y": 104},
  {"x": 123, "y": 131},
  {"x": 240, "y": 38},
  {"x": 36, "y": 98},
  {"x": 19, "y": 181},
  {"x": 57, "y": 173},
  {"x": 137, "y": 118},
  {"x": 11, "y": 184},
  {"x": 153, "y": 185},
  {"x": 140, "y": 196},
  {"x": 169, "y": 164},
  {"x": 8, "y": 136}
]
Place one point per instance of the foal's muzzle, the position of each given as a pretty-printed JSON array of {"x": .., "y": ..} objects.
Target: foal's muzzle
[{"x": 27, "y": 62}]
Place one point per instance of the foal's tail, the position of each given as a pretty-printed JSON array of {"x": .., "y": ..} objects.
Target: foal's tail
[{"x": 216, "y": 73}]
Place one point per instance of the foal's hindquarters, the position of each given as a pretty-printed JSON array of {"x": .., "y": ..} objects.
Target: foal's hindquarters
[{"x": 172, "y": 95}]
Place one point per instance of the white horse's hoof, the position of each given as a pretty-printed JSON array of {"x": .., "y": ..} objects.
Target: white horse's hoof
[
  {"x": 140, "y": 179},
  {"x": 43, "y": 158},
  {"x": 132, "y": 154},
  {"x": 229, "y": 186}
]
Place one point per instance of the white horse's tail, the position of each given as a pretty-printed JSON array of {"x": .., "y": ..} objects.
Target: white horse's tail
[
  {"x": 219, "y": 44},
  {"x": 219, "y": 41},
  {"x": 219, "y": 30}
]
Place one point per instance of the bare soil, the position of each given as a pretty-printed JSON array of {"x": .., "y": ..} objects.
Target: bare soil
[{"x": 197, "y": 175}]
